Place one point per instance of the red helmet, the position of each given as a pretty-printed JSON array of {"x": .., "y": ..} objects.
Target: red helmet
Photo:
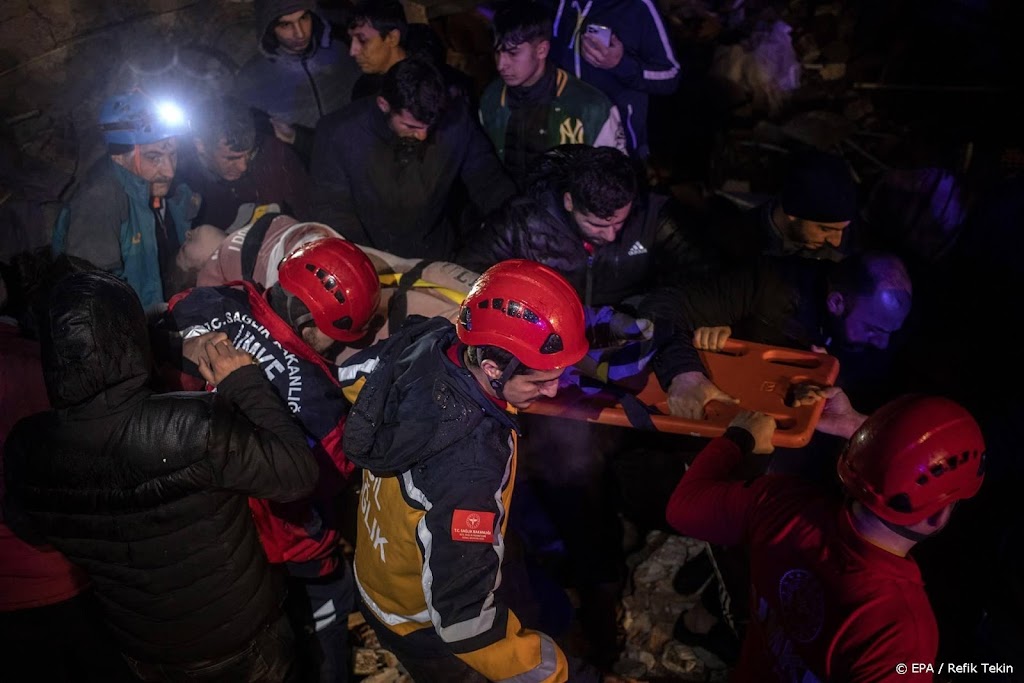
[
  {"x": 528, "y": 310},
  {"x": 914, "y": 456},
  {"x": 337, "y": 283}
]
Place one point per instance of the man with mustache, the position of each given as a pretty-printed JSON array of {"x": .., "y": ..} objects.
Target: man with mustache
[
  {"x": 128, "y": 216},
  {"x": 390, "y": 171}
]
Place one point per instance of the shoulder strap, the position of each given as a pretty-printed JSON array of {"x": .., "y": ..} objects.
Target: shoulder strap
[
  {"x": 253, "y": 243},
  {"x": 398, "y": 306},
  {"x": 637, "y": 412}
]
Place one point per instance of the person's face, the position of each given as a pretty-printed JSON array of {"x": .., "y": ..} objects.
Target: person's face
[
  {"x": 404, "y": 124},
  {"x": 522, "y": 64},
  {"x": 155, "y": 163},
  {"x": 522, "y": 390},
  {"x": 198, "y": 247},
  {"x": 869, "y": 321},
  {"x": 815, "y": 235},
  {"x": 374, "y": 53},
  {"x": 294, "y": 31},
  {"x": 224, "y": 161},
  {"x": 596, "y": 230},
  {"x": 318, "y": 341}
]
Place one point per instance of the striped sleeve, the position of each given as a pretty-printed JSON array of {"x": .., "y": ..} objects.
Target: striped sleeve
[{"x": 649, "y": 64}]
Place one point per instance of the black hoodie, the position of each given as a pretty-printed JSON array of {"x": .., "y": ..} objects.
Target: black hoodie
[{"x": 148, "y": 493}]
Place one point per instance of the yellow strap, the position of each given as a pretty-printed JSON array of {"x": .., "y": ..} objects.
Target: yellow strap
[{"x": 392, "y": 279}]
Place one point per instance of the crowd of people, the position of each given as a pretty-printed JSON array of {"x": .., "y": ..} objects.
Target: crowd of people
[{"x": 276, "y": 369}]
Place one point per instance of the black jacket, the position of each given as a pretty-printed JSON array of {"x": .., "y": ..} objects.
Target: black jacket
[
  {"x": 780, "y": 301},
  {"x": 650, "y": 251},
  {"x": 379, "y": 194},
  {"x": 434, "y": 448},
  {"x": 148, "y": 493}
]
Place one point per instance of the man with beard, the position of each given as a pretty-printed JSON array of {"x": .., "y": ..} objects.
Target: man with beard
[
  {"x": 386, "y": 169},
  {"x": 849, "y": 309},
  {"x": 127, "y": 217}
]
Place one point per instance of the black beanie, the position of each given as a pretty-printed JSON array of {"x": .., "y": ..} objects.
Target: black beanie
[{"x": 819, "y": 188}]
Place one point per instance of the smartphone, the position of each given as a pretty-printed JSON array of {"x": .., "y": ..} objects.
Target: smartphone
[{"x": 602, "y": 33}]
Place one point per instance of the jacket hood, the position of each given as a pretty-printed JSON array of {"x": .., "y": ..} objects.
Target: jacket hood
[
  {"x": 95, "y": 344},
  {"x": 268, "y": 12},
  {"x": 414, "y": 403}
]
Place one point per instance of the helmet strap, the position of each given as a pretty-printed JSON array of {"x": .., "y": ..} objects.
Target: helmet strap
[
  {"x": 499, "y": 384},
  {"x": 903, "y": 531}
]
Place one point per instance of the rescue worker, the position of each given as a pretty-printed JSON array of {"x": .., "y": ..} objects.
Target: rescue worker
[
  {"x": 433, "y": 426},
  {"x": 835, "y": 594}
]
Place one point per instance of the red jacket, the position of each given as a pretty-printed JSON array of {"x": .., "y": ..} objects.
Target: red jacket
[
  {"x": 825, "y": 603},
  {"x": 30, "y": 576}
]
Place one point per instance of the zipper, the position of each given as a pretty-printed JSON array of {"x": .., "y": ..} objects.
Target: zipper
[{"x": 312, "y": 85}]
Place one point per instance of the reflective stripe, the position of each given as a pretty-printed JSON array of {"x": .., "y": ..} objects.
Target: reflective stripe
[
  {"x": 667, "y": 74},
  {"x": 325, "y": 615},
  {"x": 544, "y": 670},
  {"x": 349, "y": 372},
  {"x": 484, "y": 621},
  {"x": 387, "y": 617}
]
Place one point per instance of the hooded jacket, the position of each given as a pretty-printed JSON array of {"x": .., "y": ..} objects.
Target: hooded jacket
[
  {"x": 298, "y": 89},
  {"x": 648, "y": 66},
  {"x": 439, "y": 461},
  {"x": 148, "y": 493}
]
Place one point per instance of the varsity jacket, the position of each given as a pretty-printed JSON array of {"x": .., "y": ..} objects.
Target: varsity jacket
[{"x": 577, "y": 113}]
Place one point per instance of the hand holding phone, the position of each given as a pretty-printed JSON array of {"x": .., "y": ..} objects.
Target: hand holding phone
[{"x": 602, "y": 33}]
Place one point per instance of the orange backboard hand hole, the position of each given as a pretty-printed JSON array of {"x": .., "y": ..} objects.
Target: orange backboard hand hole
[
  {"x": 793, "y": 360},
  {"x": 733, "y": 348}
]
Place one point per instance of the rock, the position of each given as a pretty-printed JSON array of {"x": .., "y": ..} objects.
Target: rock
[
  {"x": 681, "y": 660},
  {"x": 640, "y": 625},
  {"x": 667, "y": 606},
  {"x": 650, "y": 572},
  {"x": 385, "y": 676},
  {"x": 673, "y": 552},
  {"x": 389, "y": 660},
  {"x": 710, "y": 659},
  {"x": 660, "y": 634},
  {"x": 629, "y": 668},
  {"x": 364, "y": 661}
]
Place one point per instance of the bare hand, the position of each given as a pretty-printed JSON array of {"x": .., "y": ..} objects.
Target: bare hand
[
  {"x": 192, "y": 348},
  {"x": 838, "y": 417},
  {"x": 219, "y": 359},
  {"x": 600, "y": 55},
  {"x": 283, "y": 131},
  {"x": 711, "y": 338},
  {"x": 690, "y": 392},
  {"x": 760, "y": 426}
]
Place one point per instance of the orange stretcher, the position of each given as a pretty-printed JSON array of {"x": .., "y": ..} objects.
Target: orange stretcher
[{"x": 760, "y": 376}]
